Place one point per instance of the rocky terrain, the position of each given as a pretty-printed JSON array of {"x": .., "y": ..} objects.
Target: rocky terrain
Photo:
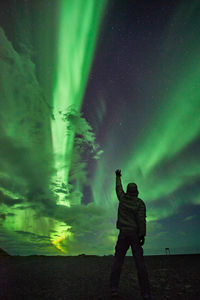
[{"x": 86, "y": 277}]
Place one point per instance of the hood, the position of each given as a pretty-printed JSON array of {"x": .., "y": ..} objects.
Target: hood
[{"x": 132, "y": 189}]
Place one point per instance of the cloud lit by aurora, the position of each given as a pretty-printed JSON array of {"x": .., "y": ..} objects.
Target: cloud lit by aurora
[{"x": 58, "y": 155}]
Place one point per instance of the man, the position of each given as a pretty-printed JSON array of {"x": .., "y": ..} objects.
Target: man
[{"x": 132, "y": 225}]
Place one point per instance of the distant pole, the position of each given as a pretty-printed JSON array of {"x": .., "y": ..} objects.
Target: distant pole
[{"x": 167, "y": 251}]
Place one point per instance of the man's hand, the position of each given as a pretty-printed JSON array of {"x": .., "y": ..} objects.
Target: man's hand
[
  {"x": 141, "y": 240},
  {"x": 118, "y": 172}
]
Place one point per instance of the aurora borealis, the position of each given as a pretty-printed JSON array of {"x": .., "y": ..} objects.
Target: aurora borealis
[
  {"x": 74, "y": 56},
  {"x": 87, "y": 87}
]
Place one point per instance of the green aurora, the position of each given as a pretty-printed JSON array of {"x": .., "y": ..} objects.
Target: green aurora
[
  {"x": 74, "y": 58},
  {"x": 47, "y": 145}
]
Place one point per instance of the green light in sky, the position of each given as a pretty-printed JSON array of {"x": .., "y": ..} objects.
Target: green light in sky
[
  {"x": 78, "y": 27},
  {"x": 176, "y": 125},
  {"x": 164, "y": 141}
]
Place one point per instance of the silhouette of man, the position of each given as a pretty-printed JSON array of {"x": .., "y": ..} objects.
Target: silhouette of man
[{"x": 132, "y": 225}]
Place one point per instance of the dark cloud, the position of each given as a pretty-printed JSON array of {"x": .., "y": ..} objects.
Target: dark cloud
[
  {"x": 32, "y": 236},
  {"x": 4, "y": 199},
  {"x": 3, "y": 216},
  {"x": 85, "y": 146}
]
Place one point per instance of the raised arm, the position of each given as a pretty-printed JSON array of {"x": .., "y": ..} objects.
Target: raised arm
[{"x": 119, "y": 188}]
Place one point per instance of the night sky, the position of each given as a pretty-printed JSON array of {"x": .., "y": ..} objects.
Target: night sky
[{"x": 88, "y": 87}]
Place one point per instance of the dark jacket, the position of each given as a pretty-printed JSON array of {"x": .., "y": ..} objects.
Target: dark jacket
[{"x": 131, "y": 210}]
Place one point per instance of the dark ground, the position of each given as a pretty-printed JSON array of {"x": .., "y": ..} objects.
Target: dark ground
[{"x": 171, "y": 277}]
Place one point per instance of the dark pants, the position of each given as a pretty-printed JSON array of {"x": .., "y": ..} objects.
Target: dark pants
[{"x": 126, "y": 239}]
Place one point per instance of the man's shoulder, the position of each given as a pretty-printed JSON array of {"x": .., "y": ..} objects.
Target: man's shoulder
[{"x": 141, "y": 201}]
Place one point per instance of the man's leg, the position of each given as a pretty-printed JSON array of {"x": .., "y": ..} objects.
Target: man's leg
[
  {"x": 120, "y": 252},
  {"x": 137, "y": 252}
]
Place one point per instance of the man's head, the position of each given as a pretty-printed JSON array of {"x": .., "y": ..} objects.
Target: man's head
[{"x": 132, "y": 189}]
